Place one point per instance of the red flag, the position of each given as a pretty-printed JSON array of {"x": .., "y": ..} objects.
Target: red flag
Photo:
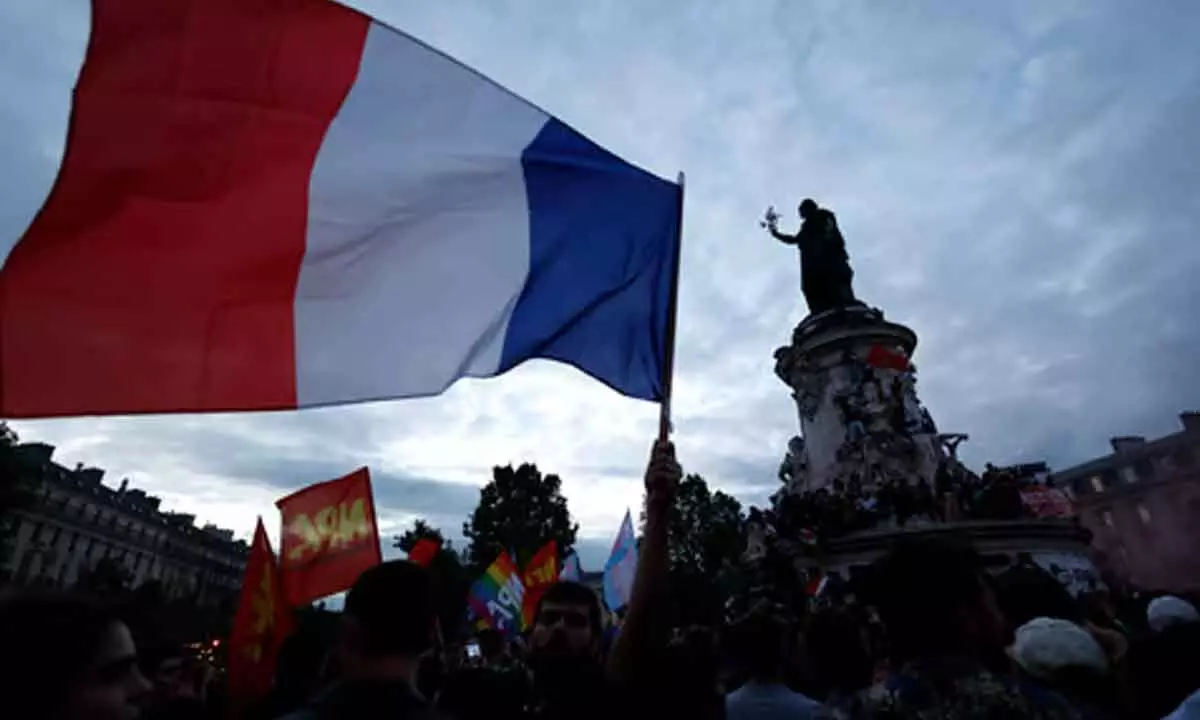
[
  {"x": 881, "y": 357},
  {"x": 262, "y": 621},
  {"x": 424, "y": 551},
  {"x": 329, "y": 537},
  {"x": 540, "y": 574},
  {"x": 1047, "y": 502}
]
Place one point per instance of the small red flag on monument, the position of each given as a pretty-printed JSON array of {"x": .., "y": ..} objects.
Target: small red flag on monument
[{"x": 880, "y": 357}]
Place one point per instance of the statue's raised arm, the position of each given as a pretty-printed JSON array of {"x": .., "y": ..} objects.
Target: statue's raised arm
[{"x": 825, "y": 274}]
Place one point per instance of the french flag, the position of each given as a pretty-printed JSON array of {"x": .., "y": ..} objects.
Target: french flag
[{"x": 270, "y": 204}]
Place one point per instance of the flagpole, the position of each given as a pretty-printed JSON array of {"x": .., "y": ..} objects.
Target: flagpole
[{"x": 664, "y": 408}]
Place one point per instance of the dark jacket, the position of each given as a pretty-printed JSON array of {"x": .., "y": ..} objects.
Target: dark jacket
[{"x": 367, "y": 700}]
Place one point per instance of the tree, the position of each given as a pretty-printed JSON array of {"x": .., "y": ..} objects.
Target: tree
[
  {"x": 421, "y": 530},
  {"x": 451, "y": 577},
  {"x": 705, "y": 535},
  {"x": 519, "y": 511}
]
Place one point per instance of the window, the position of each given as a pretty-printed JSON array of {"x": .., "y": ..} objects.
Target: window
[
  {"x": 1143, "y": 513},
  {"x": 1107, "y": 517},
  {"x": 1129, "y": 475},
  {"x": 1097, "y": 484}
]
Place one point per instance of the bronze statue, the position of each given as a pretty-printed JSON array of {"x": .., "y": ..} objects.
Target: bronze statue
[{"x": 825, "y": 274}]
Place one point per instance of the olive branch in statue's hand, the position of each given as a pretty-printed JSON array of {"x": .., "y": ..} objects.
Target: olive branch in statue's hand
[{"x": 770, "y": 219}]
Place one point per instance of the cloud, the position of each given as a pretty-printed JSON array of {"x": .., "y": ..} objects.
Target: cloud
[{"x": 1016, "y": 182}]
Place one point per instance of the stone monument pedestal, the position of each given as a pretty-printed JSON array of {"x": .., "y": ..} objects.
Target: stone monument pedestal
[
  {"x": 871, "y": 468},
  {"x": 1058, "y": 546},
  {"x": 855, "y": 391}
]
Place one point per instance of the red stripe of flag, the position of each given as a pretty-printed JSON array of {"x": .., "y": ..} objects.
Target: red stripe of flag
[{"x": 160, "y": 273}]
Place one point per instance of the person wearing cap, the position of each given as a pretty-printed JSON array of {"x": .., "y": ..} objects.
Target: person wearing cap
[
  {"x": 1164, "y": 665},
  {"x": 1168, "y": 610},
  {"x": 1059, "y": 655}
]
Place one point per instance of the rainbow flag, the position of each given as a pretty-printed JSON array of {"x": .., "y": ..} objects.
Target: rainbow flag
[{"x": 498, "y": 595}]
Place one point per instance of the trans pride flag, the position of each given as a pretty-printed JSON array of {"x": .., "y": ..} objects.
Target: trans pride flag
[
  {"x": 621, "y": 567},
  {"x": 497, "y": 596},
  {"x": 571, "y": 569}
]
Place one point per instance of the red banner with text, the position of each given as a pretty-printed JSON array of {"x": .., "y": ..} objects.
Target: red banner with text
[
  {"x": 329, "y": 537},
  {"x": 1047, "y": 502},
  {"x": 540, "y": 574}
]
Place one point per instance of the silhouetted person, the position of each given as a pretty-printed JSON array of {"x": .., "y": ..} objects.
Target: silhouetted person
[
  {"x": 564, "y": 654},
  {"x": 388, "y": 623},
  {"x": 66, "y": 658},
  {"x": 947, "y": 640},
  {"x": 762, "y": 644},
  {"x": 839, "y": 656}
]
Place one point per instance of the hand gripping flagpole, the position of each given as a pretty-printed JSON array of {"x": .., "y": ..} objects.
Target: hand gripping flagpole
[{"x": 664, "y": 408}]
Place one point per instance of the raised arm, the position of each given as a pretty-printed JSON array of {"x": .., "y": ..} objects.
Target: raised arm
[
  {"x": 644, "y": 635},
  {"x": 783, "y": 237}
]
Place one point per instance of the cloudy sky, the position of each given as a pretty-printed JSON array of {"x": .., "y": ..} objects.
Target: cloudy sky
[{"x": 1017, "y": 181}]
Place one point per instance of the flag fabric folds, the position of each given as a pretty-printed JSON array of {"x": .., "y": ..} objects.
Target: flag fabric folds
[
  {"x": 241, "y": 222},
  {"x": 424, "y": 551},
  {"x": 539, "y": 575},
  {"x": 621, "y": 567},
  {"x": 571, "y": 569},
  {"x": 261, "y": 623},
  {"x": 496, "y": 597},
  {"x": 329, "y": 537}
]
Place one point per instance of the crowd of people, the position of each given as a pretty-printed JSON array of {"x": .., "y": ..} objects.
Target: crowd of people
[
  {"x": 956, "y": 494},
  {"x": 935, "y": 636}
]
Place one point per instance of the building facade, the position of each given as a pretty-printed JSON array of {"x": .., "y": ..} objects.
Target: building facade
[
  {"x": 1142, "y": 504},
  {"x": 72, "y": 523}
]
